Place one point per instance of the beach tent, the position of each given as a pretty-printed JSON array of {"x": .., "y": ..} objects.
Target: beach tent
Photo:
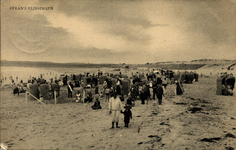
[
  {"x": 43, "y": 90},
  {"x": 72, "y": 77},
  {"x": 33, "y": 89},
  {"x": 41, "y": 81},
  {"x": 94, "y": 81},
  {"x": 124, "y": 76},
  {"x": 87, "y": 80},
  {"x": 125, "y": 87},
  {"x": 196, "y": 77},
  {"x": 102, "y": 79},
  {"x": 219, "y": 86},
  {"x": 230, "y": 80},
  {"x": 189, "y": 77},
  {"x": 78, "y": 77},
  {"x": 55, "y": 87},
  {"x": 182, "y": 77},
  {"x": 176, "y": 76}
]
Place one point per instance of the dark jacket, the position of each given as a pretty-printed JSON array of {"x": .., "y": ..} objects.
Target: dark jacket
[{"x": 127, "y": 116}]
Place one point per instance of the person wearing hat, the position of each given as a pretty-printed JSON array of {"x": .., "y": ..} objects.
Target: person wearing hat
[
  {"x": 127, "y": 115},
  {"x": 115, "y": 108}
]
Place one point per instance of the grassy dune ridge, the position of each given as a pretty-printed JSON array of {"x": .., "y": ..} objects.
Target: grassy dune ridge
[{"x": 84, "y": 65}]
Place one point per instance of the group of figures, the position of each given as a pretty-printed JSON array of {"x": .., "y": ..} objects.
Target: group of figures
[{"x": 225, "y": 84}]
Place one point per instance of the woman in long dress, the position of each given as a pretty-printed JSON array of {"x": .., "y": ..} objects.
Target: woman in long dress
[{"x": 179, "y": 89}]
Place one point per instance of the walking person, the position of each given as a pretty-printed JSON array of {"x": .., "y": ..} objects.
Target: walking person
[
  {"x": 70, "y": 89},
  {"x": 160, "y": 93},
  {"x": 115, "y": 108}
]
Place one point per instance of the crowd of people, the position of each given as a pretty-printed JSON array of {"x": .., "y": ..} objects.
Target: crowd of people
[
  {"x": 139, "y": 90},
  {"x": 143, "y": 87}
]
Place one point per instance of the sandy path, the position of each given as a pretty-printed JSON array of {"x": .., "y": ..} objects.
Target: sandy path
[{"x": 169, "y": 126}]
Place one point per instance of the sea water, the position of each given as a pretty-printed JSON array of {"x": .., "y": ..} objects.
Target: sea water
[{"x": 26, "y": 73}]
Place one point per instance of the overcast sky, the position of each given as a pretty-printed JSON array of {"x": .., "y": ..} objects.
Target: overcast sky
[{"x": 118, "y": 31}]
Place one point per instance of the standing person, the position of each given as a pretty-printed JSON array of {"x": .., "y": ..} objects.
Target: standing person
[
  {"x": 160, "y": 92},
  {"x": 164, "y": 84},
  {"x": 154, "y": 88},
  {"x": 129, "y": 100},
  {"x": 118, "y": 83},
  {"x": 104, "y": 85},
  {"x": 127, "y": 115},
  {"x": 70, "y": 89},
  {"x": 143, "y": 95},
  {"x": 107, "y": 92},
  {"x": 115, "y": 108},
  {"x": 179, "y": 89},
  {"x": 147, "y": 91}
]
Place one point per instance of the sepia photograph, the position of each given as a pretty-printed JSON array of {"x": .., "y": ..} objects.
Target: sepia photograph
[{"x": 118, "y": 75}]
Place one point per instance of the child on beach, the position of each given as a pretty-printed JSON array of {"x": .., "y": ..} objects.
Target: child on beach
[
  {"x": 96, "y": 104},
  {"x": 127, "y": 115}
]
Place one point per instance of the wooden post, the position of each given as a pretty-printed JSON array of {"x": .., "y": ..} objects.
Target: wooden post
[
  {"x": 55, "y": 96},
  {"x": 36, "y": 98}
]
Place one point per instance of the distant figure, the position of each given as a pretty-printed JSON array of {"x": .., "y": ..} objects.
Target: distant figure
[
  {"x": 142, "y": 96},
  {"x": 154, "y": 87},
  {"x": 107, "y": 92},
  {"x": 129, "y": 100},
  {"x": 164, "y": 84},
  {"x": 118, "y": 83},
  {"x": 78, "y": 97},
  {"x": 160, "y": 93},
  {"x": 115, "y": 108},
  {"x": 70, "y": 89},
  {"x": 88, "y": 94},
  {"x": 179, "y": 89},
  {"x": 96, "y": 90},
  {"x": 16, "y": 91},
  {"x": 127, "y": 115}
]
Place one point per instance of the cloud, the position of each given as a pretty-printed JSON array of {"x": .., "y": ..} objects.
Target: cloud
[
  {"x": 120, "y": 31},
  {"x": 28, "y": 32}
]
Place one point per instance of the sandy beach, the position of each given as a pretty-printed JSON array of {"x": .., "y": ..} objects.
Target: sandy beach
[{"x": 199, "y": 119}]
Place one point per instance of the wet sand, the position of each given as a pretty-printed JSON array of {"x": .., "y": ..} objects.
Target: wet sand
[{"x": 199, "y": 119}]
